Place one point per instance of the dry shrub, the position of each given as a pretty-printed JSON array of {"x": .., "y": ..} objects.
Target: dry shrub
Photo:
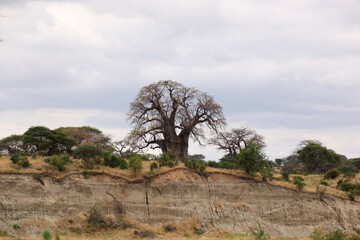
[{"x": 242, "y": 206}]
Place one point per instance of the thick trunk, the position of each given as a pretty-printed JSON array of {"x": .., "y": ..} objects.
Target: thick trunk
[{"x": 178, "y": 146}]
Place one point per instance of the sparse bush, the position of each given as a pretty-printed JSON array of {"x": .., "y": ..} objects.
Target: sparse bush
[
  {"x": 153, "y": 166},
  {"x": 46, "y": 235},
  {"x": 16, "y": 226},
  {"x": 325, "y": 183},
  {"x": 20, "y": 160},
  {"x": 336, "y": 235},
  {"x": 353, "y": 237},
  {"x": 260, "y": 234},
  {"x": 135, "y": 164},
  {"x": 169, "y": 228},
  {"x": 202, "y": 168},
  {"x": 95, "y": 219},
  {"x": 58, "y": 161},
  {"x": 348, "y": 171},
  {"x": 351, "y": 196},
  {"x": 300, "y": 184},
  {"x": 266, "y": 174},
  {"x": 298, "y": 177},
  {"x": 318, "y": 235},
  {"x": 42, "y": 153},
  {"x": 347, "y": 186},
  {"x": 3, "y": 233},
  {"x": 285, "y": 176},
  {"x": 332, "y": 174}
]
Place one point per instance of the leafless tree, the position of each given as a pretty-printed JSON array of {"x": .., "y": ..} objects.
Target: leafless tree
[
  {"x": 236, "y": 140},
  {"x": 127, "y": 145},
  {"x": 165, "y": 114}
]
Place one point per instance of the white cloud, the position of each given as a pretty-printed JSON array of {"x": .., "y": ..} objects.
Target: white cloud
[{"x": 279, "y": 65}]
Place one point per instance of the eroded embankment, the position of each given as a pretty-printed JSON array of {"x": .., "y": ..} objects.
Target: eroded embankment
[{"x": 228, "y": 202}]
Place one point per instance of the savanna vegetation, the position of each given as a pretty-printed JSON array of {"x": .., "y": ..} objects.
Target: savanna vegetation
[{"x": 166, "y": 116}]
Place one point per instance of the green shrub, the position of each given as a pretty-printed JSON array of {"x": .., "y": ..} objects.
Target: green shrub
[
  {"x": 227, "y": 165},
  {"x": 251, "y": 159},
  {"x": 169, "y": 228},
  {"x": 112, "y": 160},
  {"x": 347, "y": 186},
  {"x": 266, "y": 174},
  {"x": 213, "y": 164},
  {"x": 58, "y": 161},
  {"x": 353, "y": 237},
  {"x": 153, "y": 166},
  {"x": 202, "y": 168},
  {"x": 20, "y": 160},
  {"x": 46, "y": 235},
  {"x": 298, "y": 177},
  {"x": 89, "y": 154},
  {"x": 123, "y": 164},
  {"x": 42, "y": 153},
  {"x": 300, "y": 184},
  {"x": 318, "y": 235},
  {"x": 260, "y": 234},
  {"x": 3, "y": 233},
  {"x": 349, "y": 170},
  {"x": 336, "y": 235},
  {"x": 325, "y": 183},
  {"x": 351, "y": 196},
  {"x": 332, "y": 174},
  {"x": 166, "y": 159},
  {"x": 16, "y": 226},
  {"x": 285, "y": 176},
  {"x": 135, "y": 164},
  {"x": 15, "y": 158}
]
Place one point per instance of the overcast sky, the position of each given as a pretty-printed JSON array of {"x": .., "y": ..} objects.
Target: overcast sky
[{"x": 288, "y": 69}]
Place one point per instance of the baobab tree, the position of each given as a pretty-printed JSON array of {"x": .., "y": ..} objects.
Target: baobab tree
[
  {"x": 166, "y": 114},
  {"x": 236, "y": 140}
]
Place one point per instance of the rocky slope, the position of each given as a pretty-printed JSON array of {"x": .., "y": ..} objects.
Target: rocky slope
[{"x": 227, "y": 202}]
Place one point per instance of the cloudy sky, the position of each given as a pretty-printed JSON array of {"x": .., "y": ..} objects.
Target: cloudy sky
[{"x": 288, "y": 69}]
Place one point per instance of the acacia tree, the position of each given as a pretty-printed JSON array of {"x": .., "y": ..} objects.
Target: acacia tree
[
  {"x": 12, "y": 144},
  {"x": 86, "y": 135},
  {"x": 166, "y": 114},
  {"x": 236, "y": 140}
]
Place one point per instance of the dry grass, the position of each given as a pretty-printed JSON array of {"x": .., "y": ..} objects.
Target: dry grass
[{"x": 38, "y": 165}]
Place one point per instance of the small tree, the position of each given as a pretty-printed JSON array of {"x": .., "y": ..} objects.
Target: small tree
[
  {"x": 12, "y": 144},
  {"x": 135, "y": 164},
  {"x": 236, "y": 140},
  {"x": 317, "y": 158},
  {"x": 89, "y": 154},
  {"x": 251, "y": 159},
  {"x": 279, "y": 162}
]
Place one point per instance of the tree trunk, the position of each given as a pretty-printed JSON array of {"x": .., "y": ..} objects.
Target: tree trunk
[{"x": 178, "y": 146}]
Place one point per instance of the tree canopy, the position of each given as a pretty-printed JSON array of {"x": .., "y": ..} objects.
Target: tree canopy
[
  {"x": 41, "y": 138},
  {"x": 317, "y": 158},
  {"x": 166, "y": 114},
  {"x": 12, "y": 144}
]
